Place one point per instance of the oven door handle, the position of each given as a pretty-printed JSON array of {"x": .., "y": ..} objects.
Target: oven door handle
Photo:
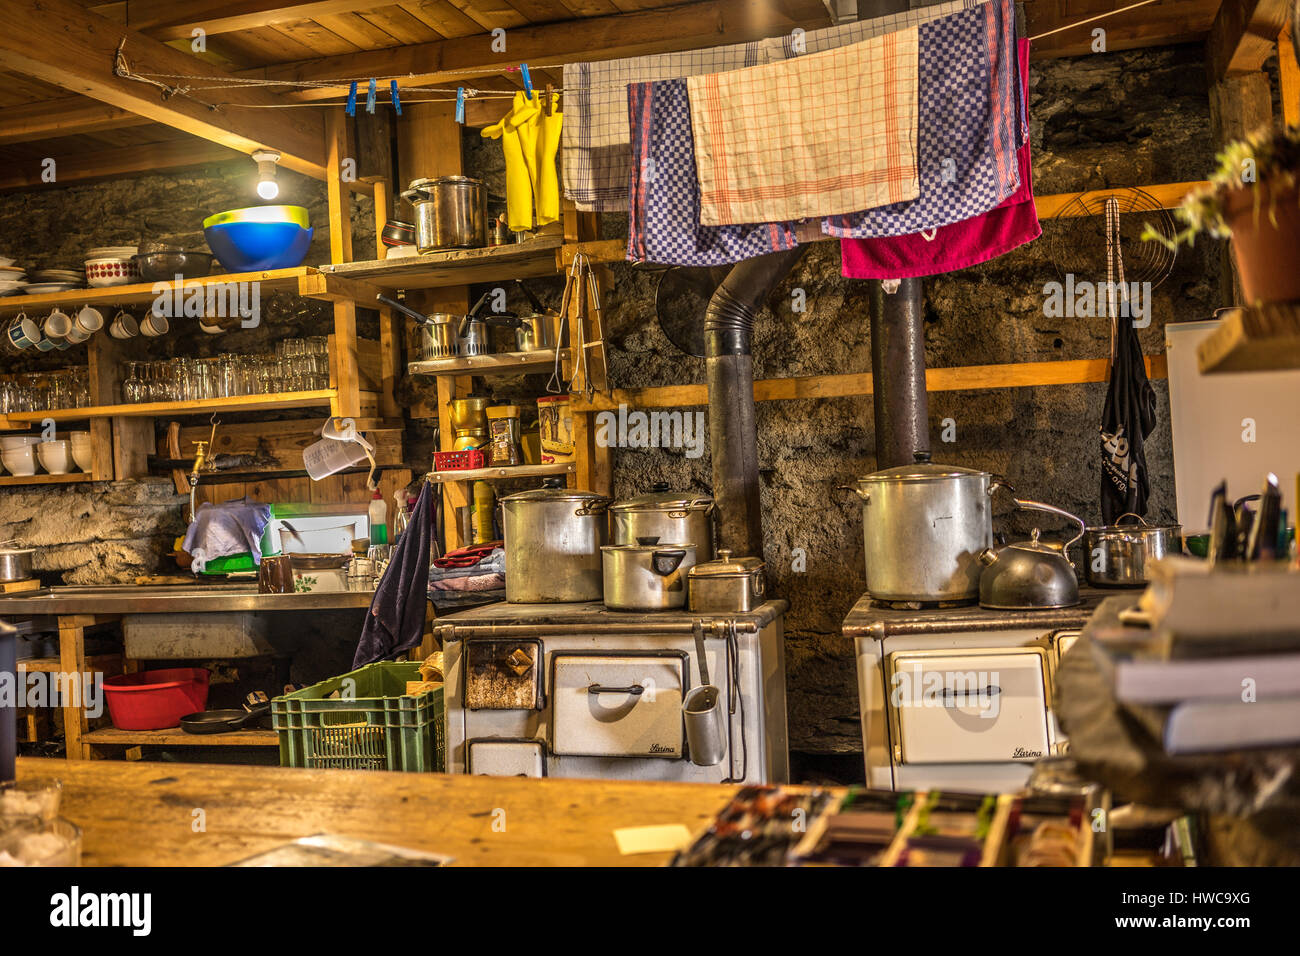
[{"x": 601, "y": 689}]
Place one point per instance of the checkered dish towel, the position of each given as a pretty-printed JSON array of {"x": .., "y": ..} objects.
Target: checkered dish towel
[
  {"x": 596, "y": 156},
  {"x": 819, "y": 135},
  {"x": 969, "y": 119}
]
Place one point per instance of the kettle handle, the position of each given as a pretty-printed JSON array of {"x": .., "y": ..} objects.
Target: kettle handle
[{"x": 1026, "y": 505}]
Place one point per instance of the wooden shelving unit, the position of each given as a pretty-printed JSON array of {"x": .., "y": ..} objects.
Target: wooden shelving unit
[
  {"x": 525, "y": 260},
  {"x": 498, "y": 362},
  {"x": 73, "y": 478},
  {"x": 319, "y": 398},
  {"x": 510, "y": 471},
  {"x": 175, "y": 737}
]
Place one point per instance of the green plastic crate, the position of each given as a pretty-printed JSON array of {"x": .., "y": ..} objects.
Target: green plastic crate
[{"x": 379, "y": 728}]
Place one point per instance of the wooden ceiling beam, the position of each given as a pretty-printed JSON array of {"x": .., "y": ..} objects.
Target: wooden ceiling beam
[
  {"x": 1244, "y": 35},
  {"x": 88, "y": 164},
  {"x": 686, "y": 27},
  {"x": 65, "y": 116},
  {"x": 61, "y": 43},
  {"x": 169, "y": 20}
]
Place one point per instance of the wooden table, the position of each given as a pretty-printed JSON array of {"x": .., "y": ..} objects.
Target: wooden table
[{"x": 144, "y": 814}]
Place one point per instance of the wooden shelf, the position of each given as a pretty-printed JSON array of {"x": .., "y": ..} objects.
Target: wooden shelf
[
  {"x": 44, "y": 479},
  {"x": 277, "y": 280},
  {"x": 238, "y": 403},
  {"x": 1254, "y": 339},
  {"x": 501, "y": 363},
  {"x": 524, "y": 260},
  {"x": 513, "y": 471},
  {"x": 52, "y": 665},
  {"x": 175, "y": 737}
]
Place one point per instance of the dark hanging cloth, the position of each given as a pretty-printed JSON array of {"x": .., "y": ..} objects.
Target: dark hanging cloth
[
  {"x": 395, "y": 621},
  {"x": 1126, "y": 421}
]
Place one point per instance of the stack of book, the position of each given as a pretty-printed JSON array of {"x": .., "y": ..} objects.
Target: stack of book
[{"x": 1211, "y": 662}]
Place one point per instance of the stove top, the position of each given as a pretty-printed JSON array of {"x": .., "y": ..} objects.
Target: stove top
[
  {"x": 880, "y": 619},
  {"x": 593, "y": 612}
]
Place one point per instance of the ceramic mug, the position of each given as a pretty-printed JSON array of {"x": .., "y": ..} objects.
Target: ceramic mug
[
  {"x": 57, "y": 325},
  {"x": 45, "y": 345},
  {"x": 22, "y": 332},
  {"x": 124, "y": 326},
  {"x": 75, "y": 335},
  {"x": 53, "y": 456},
  {"x": 89, "y": 321},
  {"x": 275, "y": 575},
  {"x": 154, "y": 325}
]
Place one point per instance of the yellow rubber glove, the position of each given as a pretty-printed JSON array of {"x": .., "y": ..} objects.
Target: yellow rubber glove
[
  {"x": 519, "y": 181},
  {"x": 548, "y": 180}
]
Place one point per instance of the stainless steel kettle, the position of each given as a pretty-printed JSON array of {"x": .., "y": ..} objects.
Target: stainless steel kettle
[{"x": 1029, "y": 574}]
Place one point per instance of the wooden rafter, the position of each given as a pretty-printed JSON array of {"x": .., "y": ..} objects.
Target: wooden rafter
[
  {"x": 65, "y": 116},
  {"x": 61, "y": 43},
  {"x": 1244, "y": 35},
  {"x": 169, "y": 20},
  {"x": 85, "y": 164}
]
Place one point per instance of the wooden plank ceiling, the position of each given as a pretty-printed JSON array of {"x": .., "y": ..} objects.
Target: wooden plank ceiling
[{"x": 430, "y": 39}]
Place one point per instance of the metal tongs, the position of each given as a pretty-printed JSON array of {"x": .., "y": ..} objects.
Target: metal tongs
[{"x": 581, "y": 282}]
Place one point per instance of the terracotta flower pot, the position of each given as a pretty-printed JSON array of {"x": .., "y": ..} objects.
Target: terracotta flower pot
[{"x": 1265, "y": 224}]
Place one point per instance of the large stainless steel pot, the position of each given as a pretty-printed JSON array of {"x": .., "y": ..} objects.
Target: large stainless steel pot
[
  {"x": 553, "y": 538},
  {"x": 646, "y": 576},
  {"x": 923, "y": 528},
  {"x": 15, "y": 564},
  {"x": 1120, "y": 555},
  {"x": 450, "y": 213},
  {"x": 667, "y": 516}
]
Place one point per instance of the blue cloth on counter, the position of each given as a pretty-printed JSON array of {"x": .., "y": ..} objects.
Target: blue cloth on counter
[
  {"x": 395, "y": 621},
  {"x": 232, "y": 527}
]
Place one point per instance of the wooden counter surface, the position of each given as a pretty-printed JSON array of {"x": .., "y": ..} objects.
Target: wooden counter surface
[{"x": 142, "y": 814}]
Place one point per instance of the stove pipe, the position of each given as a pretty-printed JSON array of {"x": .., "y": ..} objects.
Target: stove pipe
[
  {"x": 8, "y": 711},
  {"x": 898, "y": 374},
  {"x": 733, "y": 431}
]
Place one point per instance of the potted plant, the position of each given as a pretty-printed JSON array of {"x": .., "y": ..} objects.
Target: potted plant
[{"x": 1251, "y": 199}]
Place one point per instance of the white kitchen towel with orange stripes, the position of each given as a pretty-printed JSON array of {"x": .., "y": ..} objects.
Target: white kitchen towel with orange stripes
[{"x": 824, "y": 134}]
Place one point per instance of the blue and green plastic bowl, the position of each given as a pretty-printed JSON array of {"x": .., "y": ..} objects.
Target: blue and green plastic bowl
[{"x": 259, "y": 238}]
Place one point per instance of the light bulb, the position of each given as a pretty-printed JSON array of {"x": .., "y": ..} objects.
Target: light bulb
[
  {"x": 268, "y": 189},
  {"x": 266, "y": 160}
]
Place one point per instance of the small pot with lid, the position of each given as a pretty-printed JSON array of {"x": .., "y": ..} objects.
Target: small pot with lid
[
  {"x": 923, "y": 528},
  {"x": 450, "y": 213},
  {"x": 647, "y": 575},
  {"x": 666, "y": 516},
  {"x": 1121, "y": 555},
  {"x": 553, "y": 537},
  {"x": 727, "y": 585}
]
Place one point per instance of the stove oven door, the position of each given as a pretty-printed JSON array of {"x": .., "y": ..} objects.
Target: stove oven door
[
  {"x": 618, "y": 705},
  {"x": 987, "y": 705},
  {"x": 506, "y": 757},
  {"x": 503, "y": 675}
]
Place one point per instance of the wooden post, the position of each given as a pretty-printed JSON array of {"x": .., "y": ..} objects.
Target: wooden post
[
  {"x": 1238, "y": 105},
  {"x": 1288, "y": 77},
  {"x": 347, "y": 403}
]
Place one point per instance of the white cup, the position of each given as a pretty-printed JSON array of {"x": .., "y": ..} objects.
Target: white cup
[
  {"x": 57, "y": 326},
  {"x": 124, "y": 326},
  {"x": 154, "y": 325},
  {"x": 76, "y": 335},
  {"x": 53, "y": 456},
  {"x": 19, "y": 461},
  {"x": 89, "y": 320}
]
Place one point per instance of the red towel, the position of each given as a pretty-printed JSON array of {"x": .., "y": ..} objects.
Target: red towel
[{"x": 960, "y": 244}]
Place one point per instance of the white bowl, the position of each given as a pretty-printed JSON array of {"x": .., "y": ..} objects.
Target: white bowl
[
  {"x": 54, "y": 456},
  {"x": 18, "y": 441},
  {"x": 20, "y": 461}
]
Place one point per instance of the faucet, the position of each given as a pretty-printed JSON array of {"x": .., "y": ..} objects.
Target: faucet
[{"x": 200, "y": 461}]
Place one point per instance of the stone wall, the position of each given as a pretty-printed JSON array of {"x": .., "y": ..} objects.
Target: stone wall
[{"x": 1107, "y": 120}]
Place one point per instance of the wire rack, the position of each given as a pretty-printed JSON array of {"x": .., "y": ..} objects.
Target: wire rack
[{"x": 1078, "y": 241}]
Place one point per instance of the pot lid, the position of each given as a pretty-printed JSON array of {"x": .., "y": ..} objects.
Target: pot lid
[
  {"x": 553, "y": 494},
  {"x": 650, "y": 548},
  {"x": 726, "y": 566},
  {"x": 659, "y": 498},
  {"x": 445, "y": 181},
  {"x": 923, "y": 469}
]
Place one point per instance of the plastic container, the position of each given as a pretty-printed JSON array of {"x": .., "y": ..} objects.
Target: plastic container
[
  {"x": 156, "y": 700},
  {"x": 458, "y": 460},
  {"x": 258, "y": 246},
  {"x": 373, "y": 725}
]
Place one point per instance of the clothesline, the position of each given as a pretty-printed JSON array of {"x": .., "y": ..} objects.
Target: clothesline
[{"x": 451, "y": 93}]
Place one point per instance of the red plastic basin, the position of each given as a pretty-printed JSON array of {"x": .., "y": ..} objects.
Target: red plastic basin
[{"x": 156, "y": 700}]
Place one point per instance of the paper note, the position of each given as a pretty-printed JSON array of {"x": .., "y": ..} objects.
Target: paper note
[{"x": 660, "y": 839}]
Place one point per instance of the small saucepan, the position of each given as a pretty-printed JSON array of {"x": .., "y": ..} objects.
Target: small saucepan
[
  {"x": 1121, "y": 555},
  {"x": 441, "y": 333}
]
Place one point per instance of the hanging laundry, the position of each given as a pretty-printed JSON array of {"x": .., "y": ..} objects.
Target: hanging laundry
[
  {"x": 818, "y": 135},
  {"x": 664, "y": 211},
  {"x": 829, "y": 38},
  {"x": 967, "y": 138},
  {"x": 596, "y": 137},
  {"x": 530, "y": 139},
  {"x": 961, "y": 244}
]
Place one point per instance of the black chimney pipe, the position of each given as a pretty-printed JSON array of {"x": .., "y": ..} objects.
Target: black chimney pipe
[
  {"x": 733, "y": 429},
  {"x": 9, "y": 711},
  {"x": 898, "y": 374}
]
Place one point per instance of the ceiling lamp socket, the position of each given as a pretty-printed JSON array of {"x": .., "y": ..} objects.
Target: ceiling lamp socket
[{"x": 266, "y": 160}]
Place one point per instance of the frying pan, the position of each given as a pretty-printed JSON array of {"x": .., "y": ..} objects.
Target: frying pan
[
  {"x": 222, "y": 721},
  {"x": 681, "y": 298}
]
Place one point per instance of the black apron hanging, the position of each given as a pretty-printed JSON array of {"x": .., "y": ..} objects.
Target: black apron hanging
[{"x": 1130, "y": 411}]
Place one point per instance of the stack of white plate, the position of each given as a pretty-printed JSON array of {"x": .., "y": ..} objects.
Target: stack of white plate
[
  {"x": 13, "y": 279},
  {"x": 77, "y": 276}
]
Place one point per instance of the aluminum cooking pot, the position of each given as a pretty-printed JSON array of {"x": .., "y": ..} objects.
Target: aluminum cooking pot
[
  {"x": 1120, "y": 555},
  {"x": 15, "y": 564},
  {"x": 450, "y": 213},
  {"x": 667, "y": 516},
  {"x": 923, "y": 528},
  {"x": 646, "y": 576},
  {"x": 553, "y": 538},
  {"x": 446, "y": 334}
]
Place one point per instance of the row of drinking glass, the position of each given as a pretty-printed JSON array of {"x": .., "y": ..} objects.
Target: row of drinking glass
[
  {"x": 298, "y": 365},
  {"x": 43, "y": 391}
]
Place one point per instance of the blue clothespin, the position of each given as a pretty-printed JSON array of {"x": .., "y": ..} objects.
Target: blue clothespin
[
  {"x": 460, "y": 105},
  {"x": 370, "y": 97},
  {"x": 351, "y": 108},
  {"x": 528, "y": 81},
  {"x": 397, "y": 100}
]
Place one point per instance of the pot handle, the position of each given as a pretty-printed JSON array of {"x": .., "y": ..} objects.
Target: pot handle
[
  {"x": 999, "y": 482},
  {"x": 1129, "y": 514},
  {"x": 864, "y": 495},
  {"x": 1026, "y": 505},
  {"x": 665, "y": 563},
  {"x": 594, "y": 506}
]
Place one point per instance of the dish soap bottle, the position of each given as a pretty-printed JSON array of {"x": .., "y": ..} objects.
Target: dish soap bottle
[{"x": 378, "y": 519}]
